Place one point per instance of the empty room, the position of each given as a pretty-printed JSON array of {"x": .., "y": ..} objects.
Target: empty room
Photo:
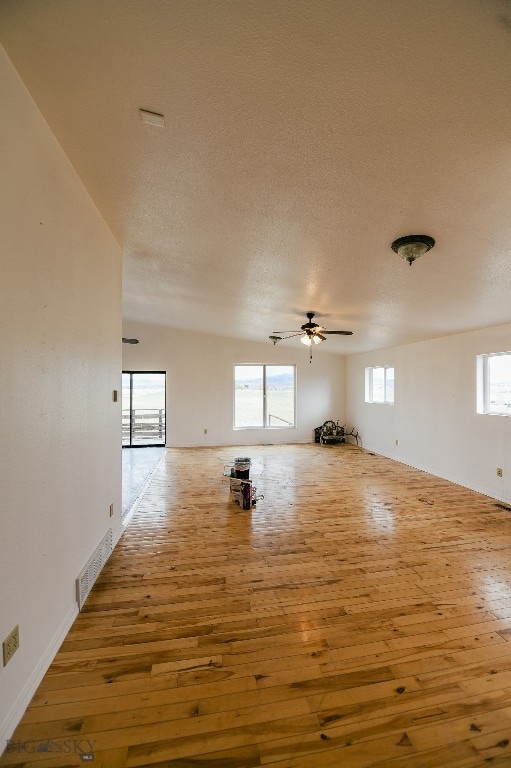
[{"x": 256, "y": 383}]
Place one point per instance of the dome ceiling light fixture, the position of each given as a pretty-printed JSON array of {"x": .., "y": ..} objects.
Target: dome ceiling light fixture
[{"x": 411, "y": 247}]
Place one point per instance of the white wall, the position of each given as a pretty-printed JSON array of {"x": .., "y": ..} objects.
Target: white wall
[
  {"x": 60, "y": 321},
  {"x": 434, "y": 415},
  {"x": 200, "y": 384}
]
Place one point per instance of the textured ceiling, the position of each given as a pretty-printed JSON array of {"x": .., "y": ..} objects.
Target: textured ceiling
[{"x": 301, "y": 137}]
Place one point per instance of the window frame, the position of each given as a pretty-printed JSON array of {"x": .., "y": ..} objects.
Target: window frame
[
  {"x": 484, "y": 406},
  {"x": 264, "y": 366},
  {"x": 369, "y": 388}
]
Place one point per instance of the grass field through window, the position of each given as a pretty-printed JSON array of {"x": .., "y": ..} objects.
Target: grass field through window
[{"x": 249, "y": 408}]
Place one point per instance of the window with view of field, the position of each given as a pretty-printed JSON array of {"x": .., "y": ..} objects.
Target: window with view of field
[
  {"x": 143, "y": 408},
  {"x": 494, "y": 383},
  {"x": 264, "y": 396},
  {"x": 379, "y": 384}
]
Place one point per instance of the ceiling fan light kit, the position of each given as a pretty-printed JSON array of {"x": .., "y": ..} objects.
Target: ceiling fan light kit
[
  {"x": 312, "y": 338},
  {"x": 410, "y": 247}
]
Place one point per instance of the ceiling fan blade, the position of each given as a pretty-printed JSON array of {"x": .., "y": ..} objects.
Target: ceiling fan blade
[
  {"x": 287, "y": 331},
  {"x": 320, "y": 336},
  {"x": 340, "y": 333},
  {"x": 298, "y": 333}
]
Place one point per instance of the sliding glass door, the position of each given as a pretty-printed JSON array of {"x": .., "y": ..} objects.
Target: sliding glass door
[{"x": 143, "y": 408}]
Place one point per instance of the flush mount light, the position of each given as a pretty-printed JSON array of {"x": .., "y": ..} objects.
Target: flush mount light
[
  {"x": 152, "y": 118},
  {"x": 411, "y": 247}
]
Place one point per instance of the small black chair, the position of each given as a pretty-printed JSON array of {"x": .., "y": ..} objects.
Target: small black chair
[{"x": 331, "y": 433}]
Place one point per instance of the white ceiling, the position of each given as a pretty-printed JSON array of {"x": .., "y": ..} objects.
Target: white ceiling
[{"x": 301, "y": 138}]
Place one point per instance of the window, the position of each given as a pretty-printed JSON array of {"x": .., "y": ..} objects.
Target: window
[
  {"x": 380, "y": 384},
  {"x": 264, "y": 396},
  {"x": 494, "y": 383}
]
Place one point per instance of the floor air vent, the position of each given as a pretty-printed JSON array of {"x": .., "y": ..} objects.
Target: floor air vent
[{"x": 90, "y": 573}]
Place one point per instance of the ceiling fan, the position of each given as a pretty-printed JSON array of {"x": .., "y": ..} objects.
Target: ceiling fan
[{"x": 310, "y": 333}]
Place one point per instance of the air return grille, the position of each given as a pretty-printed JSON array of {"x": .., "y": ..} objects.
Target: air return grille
[{"x": 90, "y": 573}]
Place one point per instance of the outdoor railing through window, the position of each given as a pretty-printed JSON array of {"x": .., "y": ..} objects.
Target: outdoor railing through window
[
  {"x": 275, "y": 420},
  {"x": 148, "y": 426}
]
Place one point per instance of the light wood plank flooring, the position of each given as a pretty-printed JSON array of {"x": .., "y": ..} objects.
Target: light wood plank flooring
[{"x": 360, "y": 615}]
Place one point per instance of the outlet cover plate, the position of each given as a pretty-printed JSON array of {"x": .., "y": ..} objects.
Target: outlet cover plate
[{"x": 11, "y": 644}]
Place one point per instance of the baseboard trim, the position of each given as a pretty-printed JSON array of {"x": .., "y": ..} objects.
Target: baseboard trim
[
  {"x": 240, "y": 443},
  {"x": 10, "y": 723},
  {"x": 435, "y": 472}
]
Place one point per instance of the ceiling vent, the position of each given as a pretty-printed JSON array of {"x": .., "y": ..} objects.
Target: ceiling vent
[{"x": 152, "y": 118}]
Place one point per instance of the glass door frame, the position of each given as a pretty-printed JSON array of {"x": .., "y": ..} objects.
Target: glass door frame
[{"x": 144, "y": 445}]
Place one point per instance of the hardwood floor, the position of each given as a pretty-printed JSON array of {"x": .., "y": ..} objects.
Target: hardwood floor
[{"x": 360, "y": 615}]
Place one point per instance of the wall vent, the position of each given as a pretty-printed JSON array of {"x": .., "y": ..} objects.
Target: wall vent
[{"x": 91, "y": 571}]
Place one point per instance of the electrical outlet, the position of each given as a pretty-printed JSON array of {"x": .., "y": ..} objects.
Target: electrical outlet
[
  {"x": 111, "y": 510},
  {"x": 397, "y": 442},
  {"x": 499, "y": 471},
  {"x": 11, "y": 644}
]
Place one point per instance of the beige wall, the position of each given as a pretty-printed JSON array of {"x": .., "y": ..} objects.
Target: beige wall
[
  {"x": 200, "y": 384},
  {"x": 60, "y": 323}
]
